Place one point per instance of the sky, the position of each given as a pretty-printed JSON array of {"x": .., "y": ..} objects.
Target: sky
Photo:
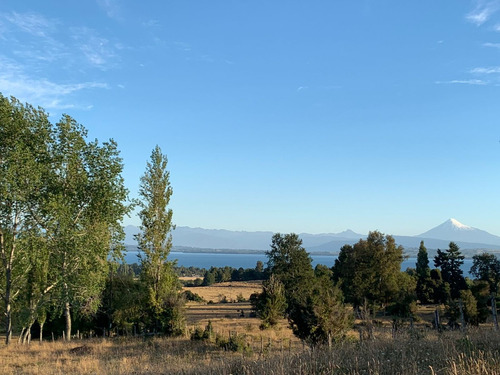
[{"x": 284, "y": 116}]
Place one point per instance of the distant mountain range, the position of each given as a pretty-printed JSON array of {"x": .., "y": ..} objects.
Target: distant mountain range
[{"x": 466, "y": 237}]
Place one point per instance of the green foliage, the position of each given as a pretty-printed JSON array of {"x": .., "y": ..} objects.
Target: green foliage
[
  {"x": 271, "y": 303},
  {"x": 190, "y": 296},
  {"x": 189, "y": 271},
  {"x": 314, "y": 306},
  {"x": 235, "y": 343},
  {"x": 68, "y": 195},
  {"x": 172, "y": 317},
  {"x": 422, "y": 266},
  {"x": 223, "y": 274},
  {"x": 450, "y": 261},
  {"x": 327, "y": 318},
  {"x": 25, "y": 136},
  {"x": 439, "y": 290},
  {"x": 155, "y": 241},
  {"x": 486, "y": 267},
  {"x": 123, "y": 302},
  {"x": 208, "y": 279},
  {"x": 481, "y": 292},
  {"x": 291, "y": 264},
  {"x": 404, "y": 302},
  {"x": 204, "y": 334},
  {"x": 368, "y": 270},
  {"x": 424, "y": 286},
  {"x": 469, "y": 307}
]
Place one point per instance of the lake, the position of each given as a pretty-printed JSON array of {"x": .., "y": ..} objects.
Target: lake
[{"x": 207, "y": 260}]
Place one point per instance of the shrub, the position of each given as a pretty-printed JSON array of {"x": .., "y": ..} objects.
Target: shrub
[
  {"x": 206, "y": 334},
  {"x": 235, "y": 343},
  {"x": 190, "y": 296}
]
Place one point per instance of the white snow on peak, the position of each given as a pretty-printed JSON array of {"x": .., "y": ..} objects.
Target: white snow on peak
[{"x": 458, "y": 224}]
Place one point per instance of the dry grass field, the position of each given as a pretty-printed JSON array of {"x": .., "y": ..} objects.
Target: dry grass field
[
  {"x": 426, "y": 352},
  {"x": 229, "y": 290},
  {"x": 234, "y": 317},
  {"x": 275, "y": 351}
]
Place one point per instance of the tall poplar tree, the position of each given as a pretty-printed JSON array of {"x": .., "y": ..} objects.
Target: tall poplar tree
[
  {"x": 155, "y": 243},
  {"x": 82, "y": 211},
  {"x": 24, "y": 135}
]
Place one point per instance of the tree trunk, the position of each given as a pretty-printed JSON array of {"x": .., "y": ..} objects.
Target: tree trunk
[
  {"x": 462, "y": 318},
  {"x": 67, "y": 316},
  {"x": 8, "y": 291},
  {"x": 494, "y": 310},
  {"x": 26, "y": 335},
  {"x": 8, "y": 318},
  {"x": 41, "y": 331},
  {"x": 19, "y": 339},
  {"x": 8, "y": 259},
  {"x": 436, "y": 319}
]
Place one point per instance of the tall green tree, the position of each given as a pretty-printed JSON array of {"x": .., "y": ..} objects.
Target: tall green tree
[
  {"x": 486, "y": 267},
  {"x": 314, "y": 306},
  {"x": 450, "y": 261},
  {"x": 24, "y": 137},
  {"x": 290, "y": 262},
  {"x": 422, "y": 266},
  {"x": 424, "y": 282},
  {"x": 155, "y": 243},
  {"x": 82, "y": 211},
  {"x": 367, "y": 271}
]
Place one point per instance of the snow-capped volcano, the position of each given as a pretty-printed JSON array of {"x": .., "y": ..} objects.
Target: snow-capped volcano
[
  {"x": 453, "y": 230},
  {"x": 457, "y": 225}
]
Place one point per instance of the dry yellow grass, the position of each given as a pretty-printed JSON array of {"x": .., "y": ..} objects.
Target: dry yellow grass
[
  {"x": 227, "y": 318},
  {"x": 273, "y": 351},
  {"x": 230, "y": 290},
  {"x": 189, "y": 278},
  {"x": 428, "y": 352}
]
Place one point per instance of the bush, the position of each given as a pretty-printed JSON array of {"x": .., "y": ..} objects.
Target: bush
[
  {"x": 206, "y": 334},
  {"x": 190, "y": 296},
  {"x": 235, "y": 343}
]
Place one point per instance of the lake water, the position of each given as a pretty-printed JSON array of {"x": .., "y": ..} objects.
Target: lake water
[{"x": 207, "y": 260}]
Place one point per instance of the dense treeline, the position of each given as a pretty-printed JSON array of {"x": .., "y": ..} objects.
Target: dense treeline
[
  {"x": 365, "y": 280},
  {"x": 222, "y": 274}
]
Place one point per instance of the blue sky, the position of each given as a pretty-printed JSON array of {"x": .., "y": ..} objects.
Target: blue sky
[{"x": 298, "y": 116}]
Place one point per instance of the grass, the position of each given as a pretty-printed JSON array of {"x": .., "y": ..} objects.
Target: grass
[
  {"x": 275, "y": 351},
  {"x": 420, "y": 352},
  {"x": 230, "y": 290}
]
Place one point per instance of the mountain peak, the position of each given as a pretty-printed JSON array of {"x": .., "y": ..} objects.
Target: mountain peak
[
  {"x": 453, "y": 230},
  {"x": 458, "y": 225}
]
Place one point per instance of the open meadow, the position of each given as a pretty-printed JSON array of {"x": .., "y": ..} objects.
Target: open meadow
[{"x": 419, "y": 350}]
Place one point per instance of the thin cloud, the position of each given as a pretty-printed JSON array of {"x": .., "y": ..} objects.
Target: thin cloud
[
  {"x": 39, "y": 91},
  {"x": 490, "y": 70},
  {"x": 483, "y": 12},
  {"x": 151, "y": 23},
  {"x": 111, "y": 8},
  {"x": 97, "y": 50},
  {"x": 492, "y": 45},
  {"x": 464, "y": 82},
  {"x": 31, "y": 23}
]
